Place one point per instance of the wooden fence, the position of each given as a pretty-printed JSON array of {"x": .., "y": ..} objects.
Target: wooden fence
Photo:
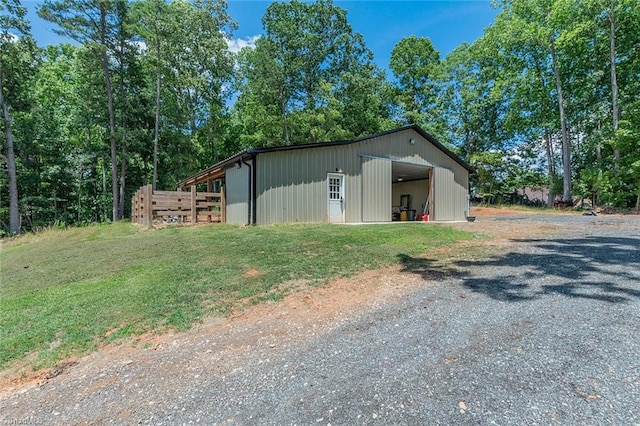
[{"x": 177, "y": 206}]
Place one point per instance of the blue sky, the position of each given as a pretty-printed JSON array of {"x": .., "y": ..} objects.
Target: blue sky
[{"x": 382, "y": 23}]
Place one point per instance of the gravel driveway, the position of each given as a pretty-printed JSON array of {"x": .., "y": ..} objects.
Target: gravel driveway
[{"x": 543, "y": 331}]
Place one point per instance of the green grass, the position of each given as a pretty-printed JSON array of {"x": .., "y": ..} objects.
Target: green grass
[{"x": 66, "y": 292}]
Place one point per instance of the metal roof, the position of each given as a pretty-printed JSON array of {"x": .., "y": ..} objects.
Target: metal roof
[{"x": 217, "y": 170}]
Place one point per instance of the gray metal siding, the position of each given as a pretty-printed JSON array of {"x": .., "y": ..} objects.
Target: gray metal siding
[
  {"x": 452, "y": 190},
  {"x": 292, "y": 184},
  {"x": 376, "y": 190},
  {"x": 397, "y": 147},
  {"x": 449, "y": 198},
  {"x": 237, "y": 187}
]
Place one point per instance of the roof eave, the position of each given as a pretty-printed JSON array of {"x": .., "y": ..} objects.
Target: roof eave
[
  {"x": 441, "y": 147},
  {"x": 414, "y": 127},
  {"x": 212, "y": 172}
]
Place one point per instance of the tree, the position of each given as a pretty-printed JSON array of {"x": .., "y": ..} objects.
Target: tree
[
  {"x": 599, "y": 48},
  {"x": 262, "y": 106},
  {"x": 542, "y": 23},
  {"x": 95, "y": 24},
  {"x": 416, "y": 66},
  {"x": 473, "y": 101},
  {"x": 197, "y": 68},
  {"x": 152, "y": 25},
  {"x": 614, "y": 77},
  {"x": 530, "y": 38},
  {"x": 302, "y": 81},
  {"x": 17, "y": 55},
  {"x": 46, "y": 178}
]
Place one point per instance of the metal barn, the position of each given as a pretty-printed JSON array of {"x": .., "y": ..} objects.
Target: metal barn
[{"x": 388, "y": 176}]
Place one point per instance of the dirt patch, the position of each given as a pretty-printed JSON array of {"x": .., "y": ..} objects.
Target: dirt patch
[
  {"x": 22, "y": 376},
  {"x": 499, "y": 211},
  {"x": 252, "y": 273}
]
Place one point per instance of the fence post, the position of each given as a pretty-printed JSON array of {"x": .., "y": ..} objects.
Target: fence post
[
  {"x": 148, "y": 204},
  {"x": 139, "y": 206},
  {"x": 194, "y": 210},
  {"x": 223, "y": 205}
]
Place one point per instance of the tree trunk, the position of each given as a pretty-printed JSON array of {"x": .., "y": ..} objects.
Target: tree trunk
[
  {"x": 614, "y": 81},
  {"x": 105, "y": 214},
  {"x": 14, "y": 211},
  {"x": 550, "y": 166},
  {"x": 112, "y": 120},
  {"x": 123, "y": 174},
  {"x": 566, "y": 150},
  {"x": 599, "y": 148},
  {"x": 123, "y": 155},
  {"x": 548, "y": 144},
  {"x": 470, "y": 142},
  {"x": 156, "y": 134}
]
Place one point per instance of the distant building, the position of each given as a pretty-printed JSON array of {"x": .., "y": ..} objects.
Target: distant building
[{"x": 540, "y": 195}]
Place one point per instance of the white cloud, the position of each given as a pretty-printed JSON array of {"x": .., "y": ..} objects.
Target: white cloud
[
  {"x": 9, "y": 37},
  {"x": 236, "y": 44}
]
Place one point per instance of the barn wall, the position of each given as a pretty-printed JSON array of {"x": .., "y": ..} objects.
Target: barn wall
[
  {"x": 237, "y": 192},
  {"x": 376, "y": 190},
  {"x": 453, "y": 189},
  {"x": 397, "y": 147},
  {"x": 292, "y": 184},
  {"x": 449, "y": 198}
]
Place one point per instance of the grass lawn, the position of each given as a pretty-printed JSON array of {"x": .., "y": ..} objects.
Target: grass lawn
[{"x": 66, "y": 292}]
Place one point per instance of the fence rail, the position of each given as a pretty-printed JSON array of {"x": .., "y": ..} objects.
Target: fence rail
[{"x": 148, "y": 205}]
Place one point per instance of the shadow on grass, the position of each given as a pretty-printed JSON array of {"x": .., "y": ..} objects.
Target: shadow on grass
[{"x": 606, "y": 269}]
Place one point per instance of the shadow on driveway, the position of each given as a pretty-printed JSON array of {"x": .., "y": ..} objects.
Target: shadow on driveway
[{"x": 599, "y": 268}]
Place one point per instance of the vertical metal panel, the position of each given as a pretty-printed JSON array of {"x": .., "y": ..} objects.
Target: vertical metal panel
[
  {"x": 376, "y": 190},
  {"x": 292, "y": 185},
  {"x": 237, "y": 182},
  {"x": 449, "y": 197},
  {"x": 279, "y": 183},
  {"x": 397, "y": 147}
]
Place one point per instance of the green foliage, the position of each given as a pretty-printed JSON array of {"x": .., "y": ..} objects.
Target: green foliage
[
  {"x": 472, "y": 100},
  {"x": 18, "y": 56},
  {"x": 309, "y": 79},
  {"x": 416, "y": 66},
  {"x": 503, "y": 93},
  {"x": 74, "y": 289},
  {"x": 18, "y": 62},
  {"x": 64, "y": 131},
  {"x": 187, "y": 57}
]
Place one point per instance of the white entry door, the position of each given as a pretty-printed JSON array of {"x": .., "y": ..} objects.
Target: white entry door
[{"x": 335, "y": 190}]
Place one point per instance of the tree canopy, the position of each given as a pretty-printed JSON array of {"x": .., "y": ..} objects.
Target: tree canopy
[
  {"x": 548, "y": 96},
  {"x": 310, "y": 78}
]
